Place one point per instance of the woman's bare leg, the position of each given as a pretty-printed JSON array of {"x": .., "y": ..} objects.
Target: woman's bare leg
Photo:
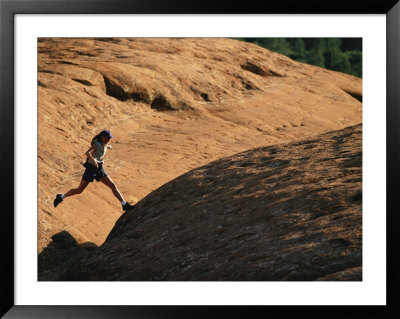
[
  {"x": 108, "y": 182},
  {"x": 78, "y": 190}
]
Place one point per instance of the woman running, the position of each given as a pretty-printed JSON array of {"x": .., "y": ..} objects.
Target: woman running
[{"x": 94, "y": 170}]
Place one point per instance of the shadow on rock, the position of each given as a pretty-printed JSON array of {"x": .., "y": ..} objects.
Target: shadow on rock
[{"x": 60, "y": 254}]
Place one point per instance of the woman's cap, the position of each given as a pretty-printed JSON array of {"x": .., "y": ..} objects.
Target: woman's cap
[{"x": 106, "y": 133}]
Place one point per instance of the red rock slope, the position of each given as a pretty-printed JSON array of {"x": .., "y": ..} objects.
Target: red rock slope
[{"x": 173, "y": 105}]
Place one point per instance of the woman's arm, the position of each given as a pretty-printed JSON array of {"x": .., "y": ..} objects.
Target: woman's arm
[{"x": 89, "y": 155}]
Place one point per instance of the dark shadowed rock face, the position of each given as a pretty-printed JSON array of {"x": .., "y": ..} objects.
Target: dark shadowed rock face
[
  {"x": 62, "y": 252},
  {"x": 287, "y": 212}
]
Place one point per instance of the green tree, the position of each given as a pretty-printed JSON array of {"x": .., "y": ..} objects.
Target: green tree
[
  {"x": 315, "y": 55},
  {"x": 334, "y": 58},
  {"x": 355, "y": 59},
  {"x": 299, "y": 49}
]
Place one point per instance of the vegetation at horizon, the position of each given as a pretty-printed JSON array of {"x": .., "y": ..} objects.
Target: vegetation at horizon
[{"x": 338, "y": 54}]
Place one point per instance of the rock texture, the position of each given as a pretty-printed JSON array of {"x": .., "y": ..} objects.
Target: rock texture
[
  {"x": 286, "y": 212},
  {"x": 173, "y": 105}
]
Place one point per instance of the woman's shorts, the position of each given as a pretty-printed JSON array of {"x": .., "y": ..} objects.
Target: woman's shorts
[{"x": 91, "y": 173}]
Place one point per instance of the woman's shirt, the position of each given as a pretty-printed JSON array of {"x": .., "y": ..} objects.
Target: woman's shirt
[{"x": 99, "y": 152}]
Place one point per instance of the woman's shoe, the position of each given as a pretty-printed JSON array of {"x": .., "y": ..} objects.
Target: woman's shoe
[
  {"x": 127, "y": 206},
  {"x": 58, "y": 200}
]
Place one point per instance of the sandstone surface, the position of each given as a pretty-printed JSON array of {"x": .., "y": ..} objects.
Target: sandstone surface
[{"x": 173, "y": 105}]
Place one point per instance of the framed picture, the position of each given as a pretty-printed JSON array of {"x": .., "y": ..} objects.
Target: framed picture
[{"x": 30, "y": 30}]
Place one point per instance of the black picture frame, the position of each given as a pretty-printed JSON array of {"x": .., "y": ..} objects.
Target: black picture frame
[{"x": 8, "y": 10}]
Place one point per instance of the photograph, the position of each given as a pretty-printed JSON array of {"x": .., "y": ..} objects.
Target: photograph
[
  {"x": 191, "y": 160},
  {"x": 199, "y": 159}
]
